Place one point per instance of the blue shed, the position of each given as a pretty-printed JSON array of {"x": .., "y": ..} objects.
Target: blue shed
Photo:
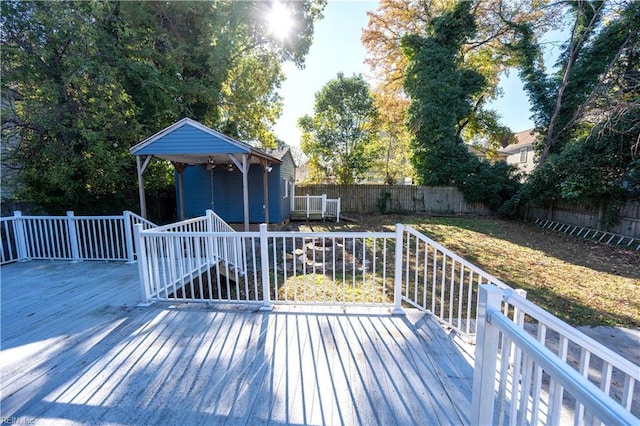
[
  {"x": 239, "y": 182},
  {"x": 219, "y": 188}
]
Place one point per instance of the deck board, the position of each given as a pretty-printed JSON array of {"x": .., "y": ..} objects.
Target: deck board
[{"x": 77, "y": 349}]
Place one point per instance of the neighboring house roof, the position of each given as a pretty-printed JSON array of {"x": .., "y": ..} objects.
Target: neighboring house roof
[
  {"x": 521, "y": 153},
  {"x": 190, "y": 142},
  {"x": 526, "y": 138},
  {"x": 280, "y": 154}
]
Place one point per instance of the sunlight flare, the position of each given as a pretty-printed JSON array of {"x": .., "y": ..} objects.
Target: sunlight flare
[{"x": 280, "y": 20}]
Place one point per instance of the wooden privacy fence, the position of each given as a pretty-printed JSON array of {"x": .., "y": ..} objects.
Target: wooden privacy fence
[
  {"x": 588, "y": 215},
  {"x": 364, "y": 199}
]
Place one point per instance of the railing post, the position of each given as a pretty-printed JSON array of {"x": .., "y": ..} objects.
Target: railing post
[
  {"x": 21, "y": 237},
  {"x": 324, "y": 205},
  {"x": 212, "y": 251},
  {"x": 209, "y": 214},
  {"x": 308, "y": 205},
  {"x": 128, "y": 236},
  {"x": 484, "y": 370},
  {"x": 397, "y": 273},
  {"x": 264, "y": 261},
  {"x": 338, "y": 211},
  {"x": 143, "y": 269},
  {"x": 73, "y": 238}
]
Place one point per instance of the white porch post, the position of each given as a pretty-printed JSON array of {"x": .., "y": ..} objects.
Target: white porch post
[
  {"x": 264, "y": 261},
  {"x": 324, "y": 205},
  {"x": 128, "y": 229},
  {"x": 143, "y": 269},
  {"x": 245, "y": 190},
  {"x": 484, "y": 370},
  {"x": 21, "y": 237},
  {"x": 143, "y": 202},
  {"x": 265, "y": 186}
]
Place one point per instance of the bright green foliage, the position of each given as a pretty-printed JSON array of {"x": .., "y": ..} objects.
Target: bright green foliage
[
  {"x": 442, "y": 103},
  {"x": 441, "y": 93},
  {"x": 588, "y": 112},
  {"x": 342, "y": 133},
  {"x": 74, "y": 114},
  {"x": 492, "y": 184},
  {"x": 560, "y": 100},
  {"x": 95, "y": 78}
]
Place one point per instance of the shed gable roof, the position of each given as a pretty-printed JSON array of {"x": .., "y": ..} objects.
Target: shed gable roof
[
  {"x": 190, "y": 137},
  {"x": 190, "y": 142}
]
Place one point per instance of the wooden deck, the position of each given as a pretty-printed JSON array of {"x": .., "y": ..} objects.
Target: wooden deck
[{"x": 76, "y": 349}]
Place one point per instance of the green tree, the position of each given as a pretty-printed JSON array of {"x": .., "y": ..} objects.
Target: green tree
[
  {"x": 602, "y": 41},
  {"x": 483, "y": 51},
  {"x": 72, "y": 109},
  {"x": 441, "y": 93},
  {"x": 341, "y": 135},
  {"x": 587, "y": 112},
  {"x": 95, "y": 78}
]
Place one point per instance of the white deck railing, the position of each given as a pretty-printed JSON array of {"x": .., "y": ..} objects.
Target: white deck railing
[
  {"x": 439, "y": 281},
  {"x": 328, "y": 268},
  {"x": 553, "y": 374},
  {"x": 363, "y": 268},
  {"x": 317, "y": 205},
  {"x": 69, "y": 237}
]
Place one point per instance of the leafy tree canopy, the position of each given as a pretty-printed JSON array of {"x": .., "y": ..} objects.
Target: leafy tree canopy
[
  {"x": 442, "y": 90},
  {"x": 602, "y": 52},
  {"x": 483, "y": 51},
  {"x": 94, "y": 78},
  {"x": 341, "y": 135},
  {"x": 587, "y": 112},
  {"x": 441, "y": 93}
]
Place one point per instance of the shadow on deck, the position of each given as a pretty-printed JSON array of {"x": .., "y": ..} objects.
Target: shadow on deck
[{"x": 76, "y": 348}]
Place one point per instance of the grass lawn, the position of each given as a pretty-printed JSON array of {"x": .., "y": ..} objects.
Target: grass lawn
[{"x": 582, "y": 282}]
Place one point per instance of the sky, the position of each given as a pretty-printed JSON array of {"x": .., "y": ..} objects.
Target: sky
[{"x": 337, "y": 48}]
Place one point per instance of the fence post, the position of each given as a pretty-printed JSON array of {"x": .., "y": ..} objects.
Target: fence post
[
  {"x": 338, "y": 211},
  {"x": 143, "y": 269},
  {"x": 397, "y": 274},
  {"x": 308, "y": 206},
  {"x": 484, "y": 370},
  {"x": 20, "y": 236},
  {"x": 128, "y": 236},
  {"x": 264, "y": 262},
  {"x": 73, "y": 238}
]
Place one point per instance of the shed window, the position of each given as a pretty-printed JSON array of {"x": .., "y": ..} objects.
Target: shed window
[
  {"x": 523, "y": 155},
  {"x": 285, "y": 188}
]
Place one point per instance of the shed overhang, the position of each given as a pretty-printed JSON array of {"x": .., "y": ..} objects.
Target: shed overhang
[{"x": 190, "y": 142}]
